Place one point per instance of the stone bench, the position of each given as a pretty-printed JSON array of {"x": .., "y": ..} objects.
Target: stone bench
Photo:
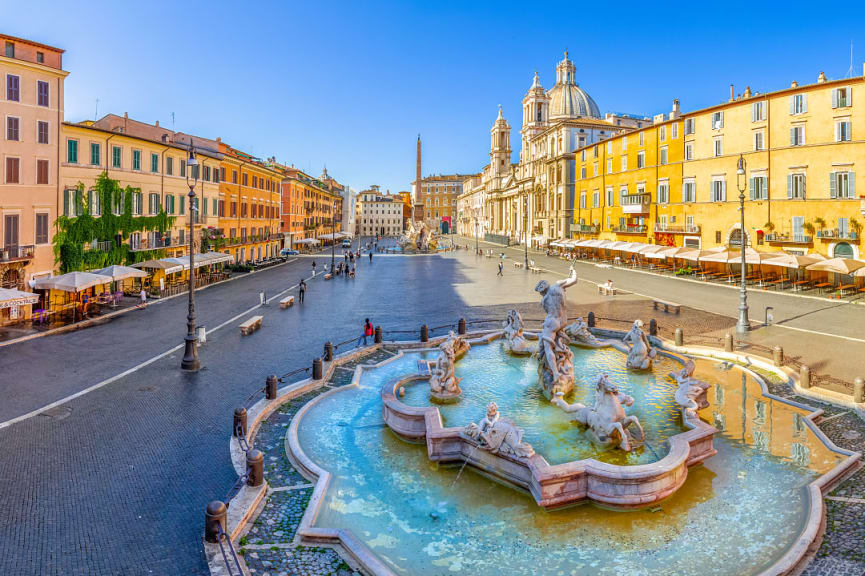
[
  {"x": 535, "y": 270},
  {"x": 606, "y": 291},
  {"x": 252, "y": 324},
  {"x": 518, "y": 264},
  {"x": 668, "y": 306},
  {"x": 286, "y": 302}
]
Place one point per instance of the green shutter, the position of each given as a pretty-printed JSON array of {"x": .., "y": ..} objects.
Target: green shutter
[
  {"x": 183, "y": 204},
  {"x": 66, "y": 202}
]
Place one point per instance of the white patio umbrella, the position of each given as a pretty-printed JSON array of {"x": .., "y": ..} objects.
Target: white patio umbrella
[
  {"x": 652, "y": 251},
  {"x": 166, "y": 266},
  {"x": 735, "y": 256},
  {"x": 793, "y": 260},
  {"x": 71, "y": 281},
  {"x": 10, "y": 297},
  {"x": 117, "y": 272},
  {"x": 844, "y": 266}
]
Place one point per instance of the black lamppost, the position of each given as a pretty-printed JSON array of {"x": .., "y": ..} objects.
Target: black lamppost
[
  {"x": 332, "y": 237},
  {"x": 190, "y": 353},
  {"x": 477, "y": 235},
  {"x": 743, "y": 324}
]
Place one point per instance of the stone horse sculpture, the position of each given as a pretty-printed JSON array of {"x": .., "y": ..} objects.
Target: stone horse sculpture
[
  {"x": 514, "y": 341},
  {"x": 555, "y": 359},
  {"x": 498, "y": 435},
  {"x": 579, "y": 334},
  {"x": 606, "y": 420},
  {"x": 641, "y": 354},
  {"x": 691, "y": 394},
  {"x": 443, "y": 383}
]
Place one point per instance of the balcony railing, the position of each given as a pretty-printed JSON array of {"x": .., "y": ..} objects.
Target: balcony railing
[
  {"x": 789, "y": 238},
  {"x": 638, "y": 229},
  {"x": 836, "y": 234},
  {"x": 150, "y": 244},
  {"x": 16, "y": 252},
  {"x": 587, "y": 229},
  {"x": 687, "y": 229}
]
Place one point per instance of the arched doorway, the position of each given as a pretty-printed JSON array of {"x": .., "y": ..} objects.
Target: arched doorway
[
  {"x": 843, "y": 250},
  {"x": 735, "y": 238},
  {"x": 445, "y": 227}
]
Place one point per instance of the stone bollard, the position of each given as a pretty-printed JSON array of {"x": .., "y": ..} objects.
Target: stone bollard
[
  {"x": 461, "y": 326},
  {"x": 778, "y": 356},
  {"x": 653, "y": 327},
  {"x": 679, "y": 337},
  {"x": 328, "y": 351},
  {"x": 254, "y": 467},
  {"x": 270, "y": 387},
  {"x": 239, "y": 422},
  {"x": 424, "y": 333},
  {"x": 805, "y": 377},
  {"x": 377, "y": 339},
  {"x": 858, "y": 390},
  {"x": 215, "y": 516},
  {"x": 317, "y": 369},
  {"x": 591, "y": 320},
  {"x": 728, "y": 342}
]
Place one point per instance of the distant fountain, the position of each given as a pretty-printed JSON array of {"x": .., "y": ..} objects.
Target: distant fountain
[
  {"x": 642, "y": 353},
  {"x": 555, "y": 359}
]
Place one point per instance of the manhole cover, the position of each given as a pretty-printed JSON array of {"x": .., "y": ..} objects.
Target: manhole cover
[{"x": 57, "y": 413}]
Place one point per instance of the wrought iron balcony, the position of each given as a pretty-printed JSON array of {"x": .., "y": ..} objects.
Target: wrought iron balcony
[
  {"x": 687, "y": 229},
  {"x": 150, "y": 244},
  {"x": 13, "y": 252},
  {"x": 587, "y": 229},
  {"x": 638, "y": 229},
  {"x": 836, "y": 234},
  {"x": 789, "y": 239}
]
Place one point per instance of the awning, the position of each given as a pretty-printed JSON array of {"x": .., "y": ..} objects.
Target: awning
[
  {"x": 843, "y": 266},
  {"x": 785, "y": 260},
  {"x": 11, "y": 298},
  {"x": 71, "y": 281},
  {"x": 209, "y": 258},
  {"x": 633, "y": 247},
  {"x": 165, "y": 265},
  {"x": 735, "y": 256},
  {"x": 117, "y": 272},
  {"x": 310, "y": 241}
]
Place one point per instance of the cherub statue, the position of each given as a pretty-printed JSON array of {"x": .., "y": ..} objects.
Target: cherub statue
[
  {"x": 498, "y": 435},
  {"x": 691, "y": 394},
  {"x": 641, "y": 354}
]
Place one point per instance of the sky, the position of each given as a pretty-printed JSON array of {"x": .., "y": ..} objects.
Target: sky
[{"x": 350, "y": 85}]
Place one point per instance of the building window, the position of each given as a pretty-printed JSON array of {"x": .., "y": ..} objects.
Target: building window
[
  {"x": 10, "y": 49},
  {"x": 206, "y": 173},
  {"x": 42, "y": 228},
  {"x": 662, "y": 133},
  {"x": 689, "y": 191},
  {"x": 13, "y": 166},
  {"x": 609, "y": 165},
  {"x": 689, "y": 150},
  {"x": 624, "y": 143},
  {"x": 674, "y": 130},
  {"x": 717, "y": 120},
  {"x": 222, "y": 173},
  {"x": 582, "y": 174},
  {"x": 13, "y": 88},
  {"x": 72, "y": 151},
  {"x": 169, "y": 204},
  {"x": 596, "y": 199},
  {"x": 663, "y": 193},
  {"x": 136, "y": 159},
  {"x": 641, "y": 139},
  {"x": 641, "y": 160},
  {"x": 841, "y": 98},
  {"x": 583, "y": 199},
  {"x": 40, "y": 57},
  {"x": 758, "y": 111},
  {"x": 843, "y": 131},
  {"x": 42, "y": 171},
  {"x": 42, "y": 93},
  {"x": 95, "y": 154},
  {"x": 842, "y": 184},
  {"x": 689, "y": 126},
  {"x": 798, "y": 104},
  {"x": 116, "y": 156},
  {"x": 169, "y": 166},
  {"x": 759, "y": 187},
  {"x": 718, "y": 145},
  {"x": 153, "y": 203},
  {"x": 93, "y": 202},
  {"x": 13, "y": 128},
  {"x": 610, "y": 198},
  {"x": 719, "y": 191},
  {"x": 245, "y": 179},
  {"x": 154, "y": 162},
  {"x": 182, "y": 205},
  {"x": 758, "y": 140},
  {"x": 663, "y": 159},
  {"x": 797, "y": 135},
  {"x": 42, "y": 132},
  {"x": 796, "y": 186}
]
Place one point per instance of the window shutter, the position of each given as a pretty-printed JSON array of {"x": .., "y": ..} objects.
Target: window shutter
[
  {"x": 791, "y": 104},
  {"x": 753, "y": 112},
  {"x": 804, "y": 103},
  {"x": 789, "y": 185},
  {"x": 752, "y": 188},
  {"x": 792, "y": 136},
  {"x": 851, "y": 184},
  {"x": 834, "y": 98},
  {"x": 833, "y": 185},
  {"x": 722, "y": 118},
  {"x": 66, "y": 202}
]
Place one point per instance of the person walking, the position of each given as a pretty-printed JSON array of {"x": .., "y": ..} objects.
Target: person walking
[
  {"x": 370, "y": 256},
  {"x": 313, "y": 267},
  {"x": 301, "y": 288},
  {"x": 501, "y": 269},
  {"x": 143, "y": 297},
  {"x": 367, "y": 332}
]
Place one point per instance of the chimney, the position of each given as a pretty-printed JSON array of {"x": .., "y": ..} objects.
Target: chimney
[
  {"x": 126, "y": 115},
  {"x": 747, "y": 92},
  {"x": 794, "y": 84},
  {"x": 731, "y": 92},
  {"x": 675, "y": 112},
  {"x": 157, "y": 124},
  {"x": 821, "y": 78}
]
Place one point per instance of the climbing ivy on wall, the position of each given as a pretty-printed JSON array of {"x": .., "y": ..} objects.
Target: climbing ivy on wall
[{"x": 75, "y": 238}]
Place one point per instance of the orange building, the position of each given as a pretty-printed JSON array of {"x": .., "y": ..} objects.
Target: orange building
[{"x": 310, "y": 208}]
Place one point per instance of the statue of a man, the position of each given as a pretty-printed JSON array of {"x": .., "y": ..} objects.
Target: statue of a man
[{"x": 554, "y": 303}]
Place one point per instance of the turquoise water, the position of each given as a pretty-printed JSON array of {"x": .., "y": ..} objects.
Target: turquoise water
[
  {"x": 736, "y": 514},
  {"x": 488, "y": 374}
]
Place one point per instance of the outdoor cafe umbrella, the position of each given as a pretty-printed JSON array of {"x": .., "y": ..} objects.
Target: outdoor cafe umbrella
[
  {"x": 735, "y": 256},
  {"x": 165, "y": 265},
  {"x": 117, "y": 272},
  {"x": 652, "y": 251},
  {"x": 843, "y": 266},
  {"x": 10, "y": 297},
  {"x": 786, "y": 260},
  {"x": 71, "y": 281}
]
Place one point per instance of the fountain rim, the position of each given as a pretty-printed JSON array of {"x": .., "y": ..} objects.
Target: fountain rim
[{"x": 357, "y": 550}]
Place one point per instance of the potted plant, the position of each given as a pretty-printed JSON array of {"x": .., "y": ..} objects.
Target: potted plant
[
  {"x": 809, "y": 228},
  {"x": 821, "y": 223},
  {"x": 855, "y": 227}
]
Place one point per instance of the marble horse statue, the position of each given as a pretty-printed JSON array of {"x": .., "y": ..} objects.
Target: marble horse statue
[
  {"x": 514, "y": 341},
  {"x": 641, "y": 354},
  {"x": 498, "y": 435},
  {"x": 606, "y": 420},
  {"x": 691, "y": 394},
  {"x": 555, "y": 359}
]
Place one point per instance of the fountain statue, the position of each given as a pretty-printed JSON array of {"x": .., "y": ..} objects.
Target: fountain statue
[
  {"x": 579, "y": 334},
  {"x": 606, "y": 420},
  {"x": 691, "y": 394},
  {"x": 409, "y": 236},
  {"x": 555, "y": 359},
  {"x": 498, "y": 435},
  {"x": 443, "y": 383},
  {"x": 514, "y": 341},
  {"x": 641, "y": 353}
]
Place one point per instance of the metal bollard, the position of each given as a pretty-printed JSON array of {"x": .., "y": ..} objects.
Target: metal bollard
[
  {"x": 653, "y": 327},
  {"x": 728, "y": 342},
  {"x": 270, "y": 387},
  {"x": 377, "y": 339},
  {"x": 679, "y": 337},
  {"x": 328, "y": 351},
  {"x": 239, "y": 422},
  {"x": 461, "y": 326},
  {"x": 254, "y": 467},
  {"x": 805, "y": 377},
  {"x": 858, "y": 390},
  {"x": 778, "y": 356},
  {"x": 317, "y": 369},
  {"x": 424, "y": 333},
  {"x": 591, "y": 320},
  {"x": 214, "y": 518}
]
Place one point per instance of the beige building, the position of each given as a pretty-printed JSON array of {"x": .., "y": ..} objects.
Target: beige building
[
  {"x": 379, "y": 214},
  {"x": 31, "y": 106},
  {"x": 438, "y": 194}
]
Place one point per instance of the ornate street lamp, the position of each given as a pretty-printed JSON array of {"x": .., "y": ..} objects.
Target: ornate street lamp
[
  {"x": 477, "y": 234},
  {"x": 190, "y": 353},
  {"x": 332, "y": 237},
  {"x": 743, "y": 324}
]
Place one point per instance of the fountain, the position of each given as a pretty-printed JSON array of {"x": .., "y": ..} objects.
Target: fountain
[
  {"x": 443, "y": 383},
  {"x": 515, "y": 341},
  {"x": 641, "y": 353},
  {"x": 555, "y": 359}
]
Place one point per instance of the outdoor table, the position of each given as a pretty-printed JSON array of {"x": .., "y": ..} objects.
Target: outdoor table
[
  {"x": 799, "y": 284},
  {"x": 846, "y": 287},
  {"x": 42, "y": 314},
  {"x": 822, "y": 285}
]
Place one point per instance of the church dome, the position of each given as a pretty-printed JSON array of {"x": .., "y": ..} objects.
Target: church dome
[{"x": 567, "y": 99}]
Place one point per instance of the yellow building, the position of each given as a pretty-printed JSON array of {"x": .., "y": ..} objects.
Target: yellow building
[
  {"x": 675, "y": 182},
  {"x": 249, "y": 206}
]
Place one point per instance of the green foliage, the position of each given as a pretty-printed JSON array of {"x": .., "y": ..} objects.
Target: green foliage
[{"x": 72, "y": 233}]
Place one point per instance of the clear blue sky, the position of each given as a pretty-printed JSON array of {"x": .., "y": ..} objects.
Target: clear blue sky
[{"x": 351, "y": 84}]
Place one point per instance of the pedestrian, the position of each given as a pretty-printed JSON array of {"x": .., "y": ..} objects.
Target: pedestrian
[
  {"x": 143, "y": 297},
  {"x": 501, "y": 268},
  {"x": 370, "y": 256},
  {"x": 367, "y": 332},
  {"x": 302, "y": 289},
  {"x": 313, "y": 267}
]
